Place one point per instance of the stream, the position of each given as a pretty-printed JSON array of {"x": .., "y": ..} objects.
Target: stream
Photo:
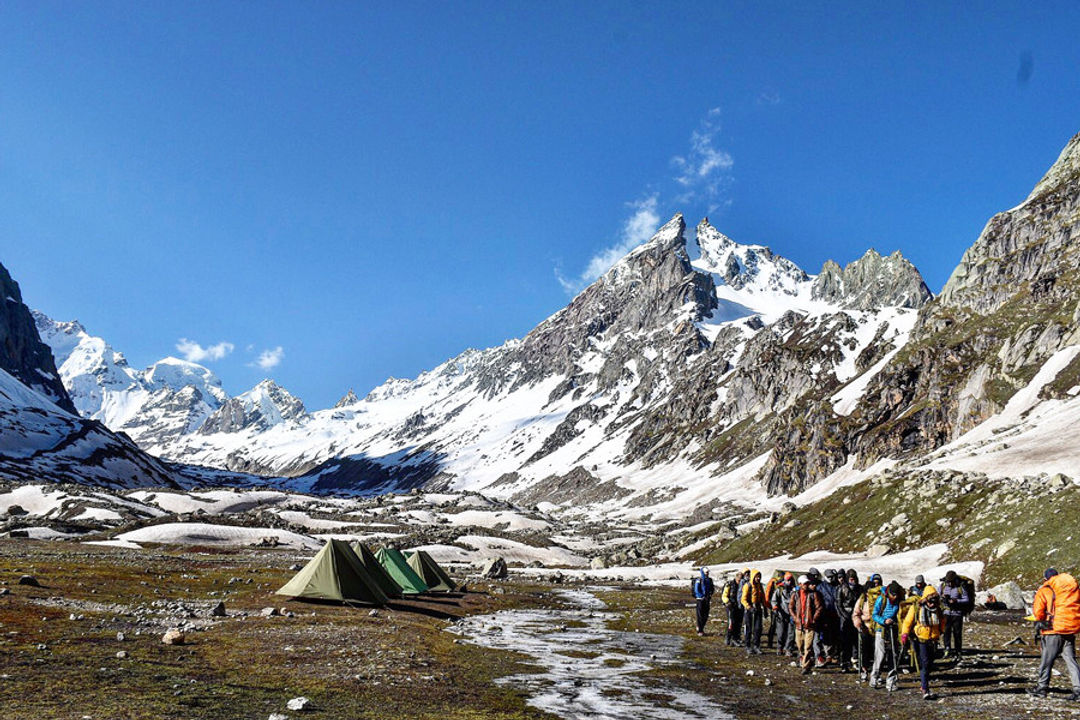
[{"x": 588, "y": 671}]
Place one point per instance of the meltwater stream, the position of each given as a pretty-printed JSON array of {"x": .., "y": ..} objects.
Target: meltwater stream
[{"x": 589, "y": 672}]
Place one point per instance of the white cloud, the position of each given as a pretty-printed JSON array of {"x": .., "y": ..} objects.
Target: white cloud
[
  {"x": 194, "y": 352},
  {"x": 269, "y": 358},
  {"x": 638, "y": 228},
  {"x": 703, "y": 172},
  {"x": 702, "y": 175}
]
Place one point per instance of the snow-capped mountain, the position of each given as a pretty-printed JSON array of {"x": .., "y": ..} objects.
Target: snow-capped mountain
[
  {"x": 41, "y": 436},
  {"x": 737, "y": 335}
]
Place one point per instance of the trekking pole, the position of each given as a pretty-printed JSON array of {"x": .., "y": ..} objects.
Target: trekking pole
[{"x": 897, "y": 653}]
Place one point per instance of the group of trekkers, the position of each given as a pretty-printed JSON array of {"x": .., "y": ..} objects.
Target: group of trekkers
[{"x": 871, "y": 628}]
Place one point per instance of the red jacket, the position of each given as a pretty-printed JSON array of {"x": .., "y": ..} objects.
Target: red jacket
[{"x": 806, "y": 608}]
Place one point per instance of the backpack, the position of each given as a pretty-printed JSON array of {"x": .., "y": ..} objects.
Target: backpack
[
  {"x": 731, "y": 592},
  {"x": 969, "y": 588}
]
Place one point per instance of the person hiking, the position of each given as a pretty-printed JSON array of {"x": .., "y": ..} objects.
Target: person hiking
[
  {"x": 770, "y": 588},
  {"x": 825, "y": 644},
  {"x": 806, "y": 608},
  {"x": 957, "y": 603},
  {"x": 1057, "y": 613},
  {"x": 730, "y": 598},
  {"x": 863, "y": 619},
  {"x": 886, "y": 637},
  {"x": 923, "y": 625},
  {"x": 703, "y": 591},
  {"x": 847, "y": 596},
  {"x": 781, "y": 608},
  {"x": 753, "y": 602}
]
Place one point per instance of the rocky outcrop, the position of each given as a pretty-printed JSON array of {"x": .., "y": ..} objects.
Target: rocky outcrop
[
  {"x": 872, "y": 282},
  {"x": 22, "y": 354},
  {"x": 262, "y": 407}
]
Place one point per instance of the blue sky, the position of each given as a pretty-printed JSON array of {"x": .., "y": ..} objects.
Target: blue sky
[{"x": 364, "y": 192}]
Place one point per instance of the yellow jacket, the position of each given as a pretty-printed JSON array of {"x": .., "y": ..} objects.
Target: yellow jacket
[
  {"x": 753, "y": 595},
  {"x": 928, "y": 624}
]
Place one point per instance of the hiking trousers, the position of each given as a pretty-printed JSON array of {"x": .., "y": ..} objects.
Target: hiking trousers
[
  {"x": 752, "y": 628},
  {"x": 734, "y": 625},
  {"x": 785, "y": 631},
  {"x": 924, "y": 651},
  {"x": 954, "y": 633},
  {"x": 804, "y": 642},
  {"x": 885, "y": 647},
  {"x": 1054, "y": 645},
  {"x": 702, "y": 611},
  {"x": 849, "y": 638}
]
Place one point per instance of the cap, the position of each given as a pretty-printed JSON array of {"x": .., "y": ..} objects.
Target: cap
[
  {"x": 1050, "y": 572},
  {"x": 920, "y": 580},
  {"x": 830, "y": 574},
  {"x": 813, "y": 572},
  {"x": 803, "y": 579}
]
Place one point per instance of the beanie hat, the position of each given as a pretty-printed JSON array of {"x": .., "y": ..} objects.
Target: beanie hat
[
  {"x": 920, "y": 580},
  {"x": 1050, "y": 572},
  {"x": 852, "y": 575}
]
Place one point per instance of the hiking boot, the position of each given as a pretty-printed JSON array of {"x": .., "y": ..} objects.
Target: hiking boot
[
  {"x": 875, "y": 684},
  {"x": 1039, "y": 692},
  {"x": 928, "y": 696}
]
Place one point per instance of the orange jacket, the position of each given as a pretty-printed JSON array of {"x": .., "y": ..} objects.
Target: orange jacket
[{"x": 1058, "y": 599}]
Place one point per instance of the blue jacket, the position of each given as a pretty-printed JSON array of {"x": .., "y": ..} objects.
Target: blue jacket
[
  {"x": 828, "y": 595},
  {"x": 885, "y": 610},
  {"x": 703, "y": 587}
]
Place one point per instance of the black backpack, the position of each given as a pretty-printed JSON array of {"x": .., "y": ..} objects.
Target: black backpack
[{"x": 969, "y": 589}]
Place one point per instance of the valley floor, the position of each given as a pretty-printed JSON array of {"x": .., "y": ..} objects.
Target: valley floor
[{"x": 59, "y": 647}]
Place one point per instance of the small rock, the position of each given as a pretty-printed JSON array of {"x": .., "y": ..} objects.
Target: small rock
[
  {"x": 119, "y": 637},
  {"x": 269, "y": 612},
  {"x": 768, "y": 681},
  {"x": 298, "y": 703},
  {"x": 296, "y": 566},
  {"x": 218, "y": 610},
  {"x": 750, "y": 673},
  {"x": 4, "y": 591},
  {"x": 173, "y": 636},
  {"x": 373, "y": 613},
  {"x": 29, "y": 580},
  {"x": 121, "y": 655},
  {"x": 278, "y": 716}
]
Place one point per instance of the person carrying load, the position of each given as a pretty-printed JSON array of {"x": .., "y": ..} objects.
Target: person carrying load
[{"x": 1056, "y": 612}]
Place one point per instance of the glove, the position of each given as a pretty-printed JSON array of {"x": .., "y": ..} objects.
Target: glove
[{"x": 903, "y": 639}]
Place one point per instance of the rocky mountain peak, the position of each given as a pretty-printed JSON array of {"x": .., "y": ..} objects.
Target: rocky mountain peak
[
  {"x": 872, "y": 282},
  {"x": 265, "y": 405},
  {"x": 22, "y": 353},
  {"x": 349, "y": 398},
  {"x": 754, "y": 268},
  {"x": 1031, "y": 249}
]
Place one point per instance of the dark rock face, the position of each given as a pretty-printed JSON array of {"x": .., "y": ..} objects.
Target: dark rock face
[
  {"x": 22, "y": 354},
  {"x": 872, "y": 282},
  {"x": 640, "y": 295}
]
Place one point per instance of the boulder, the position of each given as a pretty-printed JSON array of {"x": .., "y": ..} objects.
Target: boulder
[
  {"x": 495, "y": 569},
  {"x": 218, "y": 610},
  {"x": 1008, "y": 593},
  {"x": 29, "y": 580},
  {"x": 598, "y": 563},
  {"x": 299, "y": 703},
  {"x": 173, "y": 636}
]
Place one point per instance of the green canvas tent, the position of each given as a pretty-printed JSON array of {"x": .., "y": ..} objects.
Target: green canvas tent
[
  {"x": 335, "y": 573},
  {"x": 434, "y": 576},
  {"x": 398, "y": 568},
  {"x": 378, "y": 573}
]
